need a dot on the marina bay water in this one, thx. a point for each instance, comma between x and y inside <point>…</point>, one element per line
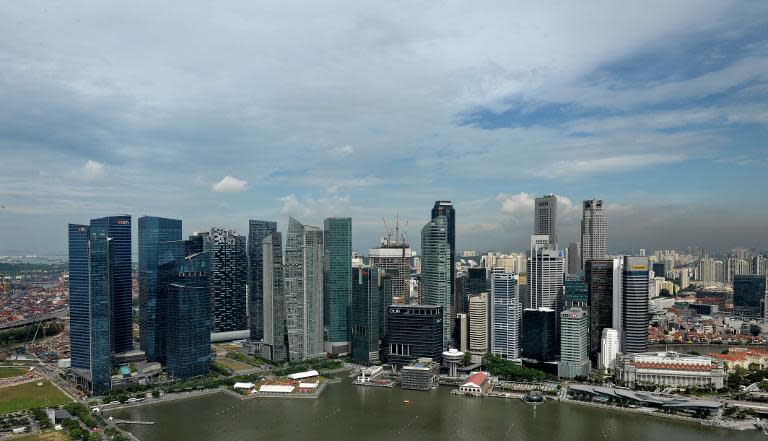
<point>346,412</point>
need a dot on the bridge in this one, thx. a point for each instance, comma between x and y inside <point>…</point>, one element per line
<point>59,313</point>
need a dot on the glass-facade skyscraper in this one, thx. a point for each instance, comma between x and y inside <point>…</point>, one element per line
<point>445,209</point>
<point>749,295</point>
<point>118,230</point>
<point>365,320</point>
<point>436,271</point>
<point>79,297</point>
<point>506,316</point>
<point>337,279</point>
<point>635,305</point>
<point>161,251</point>
<point>275,339</point>
<point>188,325</point>
<point>258,230</point>
<point>228,279</point>
<point>304,290</point>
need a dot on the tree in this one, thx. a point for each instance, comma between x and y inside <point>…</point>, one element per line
<point>665,293</point>
<point>754,329</point>
<point>467,359</point>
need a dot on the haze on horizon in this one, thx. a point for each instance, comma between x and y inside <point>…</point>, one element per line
<point>215,114</point>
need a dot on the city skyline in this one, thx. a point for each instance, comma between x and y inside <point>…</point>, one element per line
<point>643,113</point>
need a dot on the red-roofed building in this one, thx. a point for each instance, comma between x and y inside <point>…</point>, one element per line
<point>671,369</point>
<point>478,384</point>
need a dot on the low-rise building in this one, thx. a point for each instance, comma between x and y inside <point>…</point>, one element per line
<point>478,384</point>
<point>670,369</point>
<point>420,375</point>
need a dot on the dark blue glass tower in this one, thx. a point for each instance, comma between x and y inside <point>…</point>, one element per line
<point>258,230</point>
<point>101,312</point>
<point>118,230</point>
<point>188,327</point>
<point>79,332</point>
<point>161,251</point>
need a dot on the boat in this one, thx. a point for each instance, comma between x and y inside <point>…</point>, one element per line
<point>533,397</point>
<point>407,402</point>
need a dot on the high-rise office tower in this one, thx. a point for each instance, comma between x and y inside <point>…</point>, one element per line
<point>604,281</point>
<point>365,317</point>
<point>161,252</point>
<point>275,331</point>
<point>634,320</point>
<point>609,347</point>
<point>188,324</point>
<point>479,323</point>
<point>506,316</point>
<point>100,298</point>
<point>593,231</point>
<point>750,296</point>
<point>574,344</point>
<point>79,297</point>
<point>395,258</point>
<point>545,209</point>
<point>304,290</point>
<point>415,331</point>
<point>538,329</point>
<point>445,208</point>
<point>436,271</point>
<point>337,278</point>
<point>545,275</point>
<point>574,258</point>
<point>117,229</point>
<point>575,291</point>
<point>258,230</point>
<point>228,279</point>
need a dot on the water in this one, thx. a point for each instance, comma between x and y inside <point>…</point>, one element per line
<point>351,413</point>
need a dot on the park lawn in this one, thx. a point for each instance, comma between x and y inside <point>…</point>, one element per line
<point>7,372</point>
<point>30,395</point>
<point>46,436</point>
<point>233,364</point>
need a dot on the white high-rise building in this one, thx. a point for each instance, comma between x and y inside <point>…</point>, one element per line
<point>478,323</point>
<point>593,231</point>
<point>506,316</point>
<point>609,348</point>
<point>545,269</point>
<point>545,214</point>
<point>574,344</point>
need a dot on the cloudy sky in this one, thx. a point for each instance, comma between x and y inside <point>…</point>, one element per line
<point>218,112</point>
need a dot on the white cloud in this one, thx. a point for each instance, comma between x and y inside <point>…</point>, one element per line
<point>92,170</point>
<point>606,165</point>
<point>343,150</point>
<point>229,184</point>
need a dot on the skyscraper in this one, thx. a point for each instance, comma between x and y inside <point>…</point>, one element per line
<point>337,278</point>
<point>100,302</point>
<point>79,297</point>
<point>750,295</point>
<point>445,208</point>
<point>258,230</point>
<point>188,324</point>
<point>117,229</point>
<point>576,292</point>
<point>604,280</point>
<point>304,290</point>
<point>538,340</point>
<point>479,320</point>
<point>395,258</point>
<point>574,258</point>
<point>161,252</point>
<point>574,344</point>
<point>415,331</point>
<point>435,270</point>
<point>545,275</point>
<point>275,330</point>
<point>228,279</point>
<point>365,317</point>
<point>593,231</point>
<point>545,221</point>
<point>609,347</point>
<point>635,305</point>
<point>506,316</point>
